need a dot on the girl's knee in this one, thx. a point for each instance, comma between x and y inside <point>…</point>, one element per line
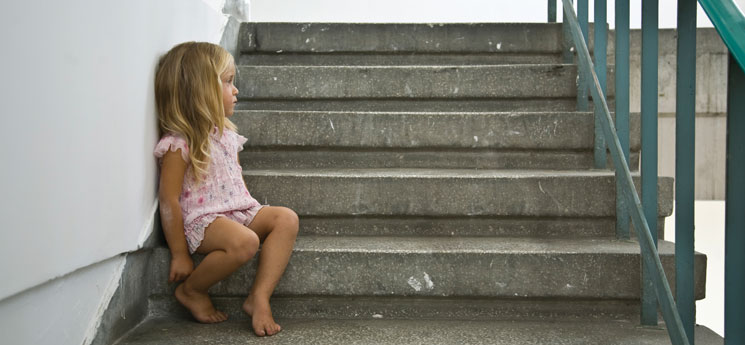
<point>288,220</point>
<point>244,247</point>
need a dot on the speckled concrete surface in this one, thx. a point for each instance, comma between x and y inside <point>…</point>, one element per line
<point>424,332</point>
<point>321,82</point>
<point>510,140</point>
<point>508,38</point>
<point>386,59</point>
<point>453,104</point>
<point>451,130</point>
<point>418,308</point>
<point>536,227</point>
<point>339,158</point>
<point>440,192</point>
<point>485,267</point>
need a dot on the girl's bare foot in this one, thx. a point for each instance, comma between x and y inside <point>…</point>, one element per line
<point>261,315</point>
<point>200,305</point>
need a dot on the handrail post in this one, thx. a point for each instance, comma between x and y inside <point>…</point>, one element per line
<point>650,256</point>
<point>622,110</point>
<point>582,85</point>
<point>685,135</point>
<point>567,54</point>
<point>552,11</point>
<point>649,146</point>
<point>601,66</point>
<point>734,237</point>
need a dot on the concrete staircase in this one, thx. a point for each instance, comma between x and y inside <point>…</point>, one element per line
<point>443,179</point>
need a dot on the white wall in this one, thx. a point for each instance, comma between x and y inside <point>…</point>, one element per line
<point>63,311</point>
<point>709,240</point>
<point>78,175</point>
<point>440,11</point>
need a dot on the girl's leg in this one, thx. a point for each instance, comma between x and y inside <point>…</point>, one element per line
<point>228,245</point>
<point>277,227</point>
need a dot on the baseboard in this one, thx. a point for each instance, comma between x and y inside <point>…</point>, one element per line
<point>129,305</point>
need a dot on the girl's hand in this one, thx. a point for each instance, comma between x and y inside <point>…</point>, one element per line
<point>181,268</point>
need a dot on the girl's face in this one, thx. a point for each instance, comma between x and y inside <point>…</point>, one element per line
<point>229,91</point>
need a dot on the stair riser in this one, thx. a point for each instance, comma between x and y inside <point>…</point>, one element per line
<point>406,59</point>
<point>488,195</point>
<point>464,226</point>
<point>549,131</point>
<point>408,82</point>
<point>337,159</point>
<point>401,38</point>
<point>412,105</point>
<point>441,274</point>
<point>417,308</point>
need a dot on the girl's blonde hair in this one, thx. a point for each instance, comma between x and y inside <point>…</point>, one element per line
<point>188,95</point>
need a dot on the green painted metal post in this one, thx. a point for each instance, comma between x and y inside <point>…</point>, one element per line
<point>622,110</point>
<point>567,54</point>
<point>601,65</point>
<point>582,86</point>
<point>734,236</point>
<point>650,256</point>
<point>552,11</point>
<point>649,146</point>
<point>685,144</point>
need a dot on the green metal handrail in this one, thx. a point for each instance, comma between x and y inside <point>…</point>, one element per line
<point>729,21</point>
<point>650,256</point>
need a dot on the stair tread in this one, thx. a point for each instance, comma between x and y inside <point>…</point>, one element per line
<point>485,245</point>
<point>173,330</point>
<point>464,245</point>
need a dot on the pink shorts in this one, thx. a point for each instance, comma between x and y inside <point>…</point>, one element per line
<point>194,231</point>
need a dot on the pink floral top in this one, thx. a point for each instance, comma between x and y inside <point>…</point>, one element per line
<point>221,192</point>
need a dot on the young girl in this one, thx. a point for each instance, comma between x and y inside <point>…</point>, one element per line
<point>204,204</point>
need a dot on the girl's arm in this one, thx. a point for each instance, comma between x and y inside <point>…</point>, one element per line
<point>172,173</point>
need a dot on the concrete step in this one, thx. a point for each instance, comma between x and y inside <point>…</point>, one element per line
<point>452,267</point>
<point>480,140</point>
<point>400,44</point>
<point>174,330</point>
<point>418,202</point>
<point>444,193</point>
<point>408,82</point>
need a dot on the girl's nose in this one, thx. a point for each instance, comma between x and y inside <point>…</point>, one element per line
<point>235,90</point>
